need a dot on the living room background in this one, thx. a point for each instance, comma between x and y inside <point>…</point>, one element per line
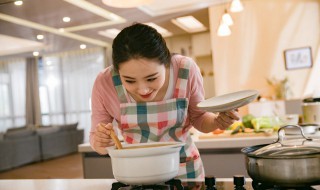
<point>65,84</point>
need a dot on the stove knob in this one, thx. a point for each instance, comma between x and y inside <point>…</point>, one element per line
<point>210,182</point>
<point>239,180</point>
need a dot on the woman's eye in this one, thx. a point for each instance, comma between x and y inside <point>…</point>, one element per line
<point>152,79</point>
<point>129,81</point>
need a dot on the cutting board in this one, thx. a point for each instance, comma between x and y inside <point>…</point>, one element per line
<point>228,135</point>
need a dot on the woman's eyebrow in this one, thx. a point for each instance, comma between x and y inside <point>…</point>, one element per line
<point>124,76</point>
<point>127,77</point>
<point>151,75</point>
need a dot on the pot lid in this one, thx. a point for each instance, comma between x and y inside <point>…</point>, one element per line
<point>288,148</point>
<point>311,100</point>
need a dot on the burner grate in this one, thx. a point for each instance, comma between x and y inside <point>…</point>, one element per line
<point>173,184</point>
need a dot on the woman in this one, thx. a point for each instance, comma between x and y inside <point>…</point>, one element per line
<point>153,97</point>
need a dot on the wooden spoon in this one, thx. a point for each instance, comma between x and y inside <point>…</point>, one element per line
<point>115,139</point>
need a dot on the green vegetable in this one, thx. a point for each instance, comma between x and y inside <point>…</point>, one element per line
<point>262,123</point>
<point>246,120</point>
<point>238,129</point>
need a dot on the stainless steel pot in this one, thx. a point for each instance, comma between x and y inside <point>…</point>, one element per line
<point>311,110</point>
<point>287,163</point>
<point>145,165</point>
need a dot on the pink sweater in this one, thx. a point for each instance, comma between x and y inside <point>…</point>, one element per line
<point>106,106</point>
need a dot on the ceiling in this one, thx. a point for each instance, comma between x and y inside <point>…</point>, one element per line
<point>88,17</point>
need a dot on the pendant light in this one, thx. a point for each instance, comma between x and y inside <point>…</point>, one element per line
<point>126,3</point>
<point>226,18</point>
<point>236,6</point>
<point>223,29</point>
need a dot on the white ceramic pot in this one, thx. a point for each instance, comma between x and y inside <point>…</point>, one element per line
<point>147,165</point>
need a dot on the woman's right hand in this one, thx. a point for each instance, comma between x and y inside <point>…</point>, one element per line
<point>102,138</point>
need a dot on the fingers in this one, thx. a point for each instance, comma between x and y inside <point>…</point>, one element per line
<point>105,128</point>
<point>102,137</point>
<point>225,119</point>
<point>233,114</point>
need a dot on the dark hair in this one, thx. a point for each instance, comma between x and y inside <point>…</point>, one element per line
<point>139,41</point>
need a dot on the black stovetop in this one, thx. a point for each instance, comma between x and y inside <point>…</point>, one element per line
<point>211,183</point>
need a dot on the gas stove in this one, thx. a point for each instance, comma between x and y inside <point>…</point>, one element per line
<point>238,182</point>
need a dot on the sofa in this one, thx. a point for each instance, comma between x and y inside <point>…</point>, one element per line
<point>59,140</point>
<point>24,145</point>
<point>19,147</point>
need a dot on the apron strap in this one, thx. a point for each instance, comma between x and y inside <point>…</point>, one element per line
<point>182,81</point>
<point>122,93</point>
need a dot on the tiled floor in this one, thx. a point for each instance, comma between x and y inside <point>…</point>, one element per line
<point>67,167</point>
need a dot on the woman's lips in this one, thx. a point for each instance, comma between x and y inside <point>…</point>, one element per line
<point>146,95</point>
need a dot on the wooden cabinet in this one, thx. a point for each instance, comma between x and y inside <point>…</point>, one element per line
<point>198,47</point>
<point>180,45</point>
<point>201,44</point>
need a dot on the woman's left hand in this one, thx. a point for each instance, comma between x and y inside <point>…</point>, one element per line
<point>225,119</point>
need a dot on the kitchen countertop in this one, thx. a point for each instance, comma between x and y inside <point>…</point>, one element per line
<point>66,184</point>
<point>56,184</point>
<point>223,143</point>
<point>94,184</point>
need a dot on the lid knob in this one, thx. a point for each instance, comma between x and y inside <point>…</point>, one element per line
<point>239,180</point>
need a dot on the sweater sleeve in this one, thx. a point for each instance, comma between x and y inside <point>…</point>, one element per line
<point>102,101</point>
<point>196,95</point>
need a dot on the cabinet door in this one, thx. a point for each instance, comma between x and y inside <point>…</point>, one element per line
<point>96,166</point>
<point>201,44</point>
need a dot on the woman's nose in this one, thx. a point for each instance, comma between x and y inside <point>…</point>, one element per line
<point>143,90</point>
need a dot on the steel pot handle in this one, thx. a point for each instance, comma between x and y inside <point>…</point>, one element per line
<point>281,133</point>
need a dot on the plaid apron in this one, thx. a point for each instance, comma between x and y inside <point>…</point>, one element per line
<point>162,121</point>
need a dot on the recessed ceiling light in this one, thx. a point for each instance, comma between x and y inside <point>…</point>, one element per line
<point>189,24</point>
<point>164,32</point>
<point>66,19</point>
<point>126,3</point>
<point>83,46</point>
<point>110,33</point>
<point>35,53</point>
<point>40,37</point>
<point>18,3</point>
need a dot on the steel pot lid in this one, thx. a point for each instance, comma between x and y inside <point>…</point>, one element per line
<point>311,100</point>
<point>293,148</point>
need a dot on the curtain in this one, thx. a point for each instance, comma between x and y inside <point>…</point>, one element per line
<point>66,84</point>
<point>313,86</point>
<point>50,90</point>
<point>107,56</point>
<point>33,113</point>
<point>12,93</point>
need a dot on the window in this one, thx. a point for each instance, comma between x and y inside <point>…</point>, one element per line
<point>12,93</point>
<point>66,83</point>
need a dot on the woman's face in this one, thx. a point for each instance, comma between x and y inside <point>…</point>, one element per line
<point>142,78</point>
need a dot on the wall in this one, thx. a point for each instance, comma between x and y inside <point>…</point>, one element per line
<point>260,34</point>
